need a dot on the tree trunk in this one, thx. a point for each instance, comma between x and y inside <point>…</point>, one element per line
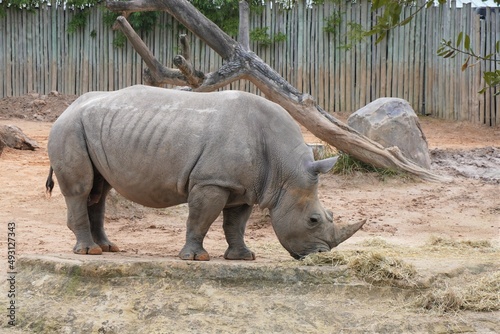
<point>240,63</point>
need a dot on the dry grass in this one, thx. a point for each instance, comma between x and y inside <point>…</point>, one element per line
<point>377,268</point>
<point>380,265</point>
<point>331,258</point>
<point>372,267</point>
<point>480,294</point>
<point>438,242</point>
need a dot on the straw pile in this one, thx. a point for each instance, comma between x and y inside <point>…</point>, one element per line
<point>372,267</point>
<point>480,294</point>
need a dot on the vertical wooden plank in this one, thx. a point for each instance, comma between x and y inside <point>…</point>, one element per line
<point>484,101</point>
<point>52,61</point>
<point>407,41</point>
<point>3,56</point>
<point>300,47</point>
<point>20,56</point>
<point>465,111</point>
<point>418,52</point>
<point>496,111</point>
<point>429,72</point>
<point>487,66</point>
<point>364,57</point>
<point>348,69</point>
<point>111,62</point>
<point>384,57</point>
<point>356,75</point>
<point>319,58</point>
<point>330,78</point>
<point>29,43</point>
<point>396,62</point>
<point>10,19</point>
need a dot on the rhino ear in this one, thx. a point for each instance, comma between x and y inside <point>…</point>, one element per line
<point>322,166</point>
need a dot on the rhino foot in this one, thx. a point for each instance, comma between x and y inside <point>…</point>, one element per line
<point>87,250</point>
<point>109,247</point>
<point>239,254</point>
<point>197,254</point>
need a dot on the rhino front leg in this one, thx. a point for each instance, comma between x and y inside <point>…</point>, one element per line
<point>205,204</point>
<point>96,216</point>
<point>78,222</point>
<point>235,220</point>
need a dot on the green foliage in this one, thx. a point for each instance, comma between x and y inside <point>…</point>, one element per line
<point>109,17</point>
<point>78,21</point>
<point>224,13</point>
<point>462,46</point>
<point>143,21</point>
<point>261,36</point>
<point>333,22</point>
<point>119,40</point>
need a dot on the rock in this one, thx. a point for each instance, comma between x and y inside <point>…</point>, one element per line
<point>392,122</point>
<point>14,137</point>
<point>39,103</point>
<point>54,93</point>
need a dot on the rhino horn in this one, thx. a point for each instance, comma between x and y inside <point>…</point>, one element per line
<point>342,232</point>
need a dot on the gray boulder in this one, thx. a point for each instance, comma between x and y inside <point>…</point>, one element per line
<point>392,122</point>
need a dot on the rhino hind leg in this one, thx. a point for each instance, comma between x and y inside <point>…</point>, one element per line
<point>78,222</point>
<point>235,220</point>
<point>96,209</point>
<point>205,204</point>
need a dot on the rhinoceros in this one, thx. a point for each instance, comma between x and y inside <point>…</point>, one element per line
<point>224,151</point>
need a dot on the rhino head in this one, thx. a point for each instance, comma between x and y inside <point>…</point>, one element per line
<point>299,220</point>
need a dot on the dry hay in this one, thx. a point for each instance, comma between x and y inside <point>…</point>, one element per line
<point>381,266</point>
<point>480,294</point>
<point>440,243</point>
<point>372,267</point>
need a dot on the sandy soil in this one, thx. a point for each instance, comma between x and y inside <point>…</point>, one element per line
<point>400,210</point>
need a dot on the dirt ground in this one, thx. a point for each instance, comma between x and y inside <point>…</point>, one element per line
<point>402,211</point>
<point>399,210</point>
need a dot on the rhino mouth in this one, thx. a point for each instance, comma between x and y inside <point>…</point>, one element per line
<point>300,256</point>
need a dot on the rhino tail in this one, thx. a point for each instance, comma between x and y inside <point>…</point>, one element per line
<point>49,184</point>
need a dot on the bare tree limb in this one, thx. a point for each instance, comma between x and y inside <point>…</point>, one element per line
<point>186,48</point>
<point>158,73</point>
<point>243,33</point>
<point>193,78</point>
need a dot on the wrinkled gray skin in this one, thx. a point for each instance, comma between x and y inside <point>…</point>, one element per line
<point>215,151</point>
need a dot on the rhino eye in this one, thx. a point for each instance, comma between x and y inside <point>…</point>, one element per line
<point>314,220</point>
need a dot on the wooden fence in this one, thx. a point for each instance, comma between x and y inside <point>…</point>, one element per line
<point>38,54</point>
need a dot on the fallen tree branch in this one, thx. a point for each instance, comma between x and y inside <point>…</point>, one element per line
<point>241,63</point>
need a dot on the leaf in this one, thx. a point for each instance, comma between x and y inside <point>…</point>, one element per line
<point>380,38</point>
<point>497,47</point>
<point>467,42</point>
<point>465,64</point>
<point>406,21</point>
<point>459,38</point>
<point>449,54</point>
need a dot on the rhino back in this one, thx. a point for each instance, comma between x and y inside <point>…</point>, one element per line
<point>154,145</point>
